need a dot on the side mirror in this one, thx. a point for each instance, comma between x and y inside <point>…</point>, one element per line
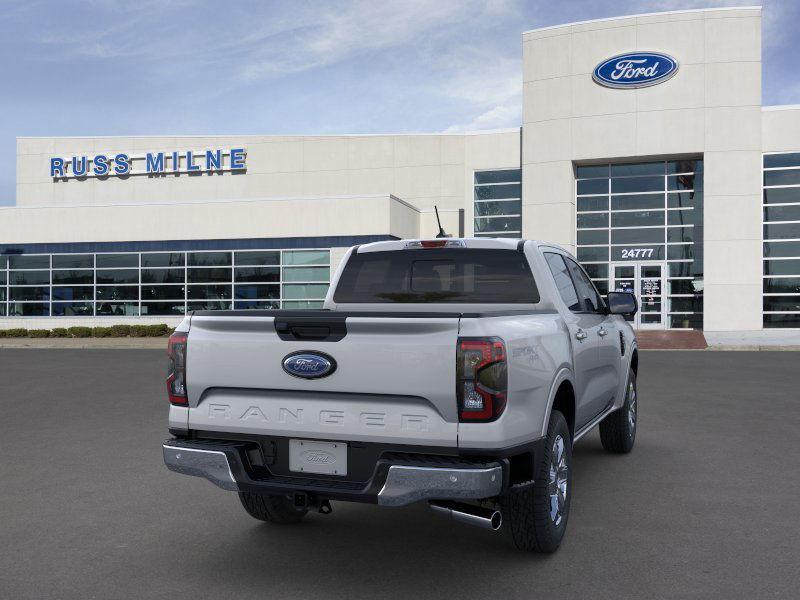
<point>622,303</point>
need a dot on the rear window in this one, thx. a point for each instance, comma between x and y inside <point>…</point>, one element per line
<point>438,275</point>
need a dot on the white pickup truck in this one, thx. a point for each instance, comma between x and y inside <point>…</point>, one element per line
<point>454,371</point>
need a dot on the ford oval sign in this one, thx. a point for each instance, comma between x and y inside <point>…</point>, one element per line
<point>635,70</point>
<point>309,364</point>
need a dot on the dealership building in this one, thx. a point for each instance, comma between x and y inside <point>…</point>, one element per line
<point>644,149</point>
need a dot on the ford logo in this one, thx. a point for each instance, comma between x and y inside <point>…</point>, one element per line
<point>308,364</point>
<point>319,457</point>
<point>635,70</point>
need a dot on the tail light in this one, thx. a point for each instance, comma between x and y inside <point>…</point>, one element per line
<point>482,375</point>
<point>176,373</point>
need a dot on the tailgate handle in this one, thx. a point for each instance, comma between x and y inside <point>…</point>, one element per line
<point>311,331</point>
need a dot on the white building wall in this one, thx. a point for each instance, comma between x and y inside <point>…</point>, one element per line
<point>711,107</point>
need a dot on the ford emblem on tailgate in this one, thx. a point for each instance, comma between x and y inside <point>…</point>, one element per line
<point>635,70</point>
<point>308,364</point>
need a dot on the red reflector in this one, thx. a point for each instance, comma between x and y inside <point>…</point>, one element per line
<point>433,243</point>
<point>176,371</point>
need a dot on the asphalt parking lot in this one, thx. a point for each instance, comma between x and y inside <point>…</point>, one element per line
<point>706,506</point>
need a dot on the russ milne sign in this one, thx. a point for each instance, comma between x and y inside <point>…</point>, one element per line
<point>151,163</point>
<point>635,70</point>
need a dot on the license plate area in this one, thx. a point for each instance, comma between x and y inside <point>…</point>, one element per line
<point>323,458</point>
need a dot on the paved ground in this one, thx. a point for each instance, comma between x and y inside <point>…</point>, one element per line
<point>706,506</point>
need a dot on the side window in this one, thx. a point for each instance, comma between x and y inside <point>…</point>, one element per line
<point>589,298</point>
<point>563,281</point>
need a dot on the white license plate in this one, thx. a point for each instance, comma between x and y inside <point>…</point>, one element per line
<point>326,458</point>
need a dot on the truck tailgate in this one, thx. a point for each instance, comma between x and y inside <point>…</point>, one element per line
<point>394,380</point>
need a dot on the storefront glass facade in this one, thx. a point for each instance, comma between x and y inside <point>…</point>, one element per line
<point>781,302</point>
<point>498,203</point>
<point>649,216</point>
<point>129,284</point>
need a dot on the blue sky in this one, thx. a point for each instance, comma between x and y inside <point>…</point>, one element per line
<point>151,67</point>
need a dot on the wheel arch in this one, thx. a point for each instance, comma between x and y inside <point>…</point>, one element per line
<point>562,398</point>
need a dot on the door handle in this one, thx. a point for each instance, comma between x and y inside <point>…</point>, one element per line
<point>581,335</point>
<point>602,332</point>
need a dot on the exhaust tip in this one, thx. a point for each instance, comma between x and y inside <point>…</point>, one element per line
<point>485,518</point>
<point>496,520</point>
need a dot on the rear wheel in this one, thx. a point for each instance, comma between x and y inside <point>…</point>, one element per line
<point>618,430</point>
<point>536,515</point>
<point>275,509</point>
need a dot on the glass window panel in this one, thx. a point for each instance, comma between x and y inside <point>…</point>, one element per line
<point>637,236</point>
<point>637,201</point>
<point>680,269</point>
<point>303,305</point>
<point>589,299</point>
<point>637,219</point>
<point>2,294</point>
<point>209,292</point>
<point>782,195</point>
<point>788,177</point>
<point>3,262</point>
<point>162,292</point>
<point>782,285</point>
<point>163,275</point>
<point>782,231</point>
<point>684,182</point>
<point>683,217</point>
<point>209,275</point>
<point>29,277</point>
<point>593,220</point>
<point>776,321</point>
<point>306,257</point>
<point>789,159</point>
<point>73,277</point>
<point>684,166</point>
<point>117,309</point>
<point>782,303</point>
<point>113,261</point>
<point>601,285</point>
<point>680,234</point>
<point>257,258</point>
<point>210,305</point>
<point>164,259</point>
<point>593,236</point>
<point>782,267</point>
<point>514,235</point>
<point>73,261</point>
<point>597,271</point>
<point>84,292</point>
<point>2,277</point>
<point>781,249</point>
<point>256,305</point>
<point>684,199</point>
<point>2,309</point>
<point>498,176</point>
<point>679,252</point>
<point>596,254</point>
<point>686,321</point>
<point>29,293</point>
<point>253,292</point>
<point>498,192</point>
<point>782,213</point>
<point>592,186</point>
<point>28,309</point>
<point>505,207</point>
<point>587,171</point>
<point>648,168</point>
<point>117,292</point>
<point>118,276</point>
<point>307,274</point>
<point>685,286</point>
<point>209,259</point>
<point>29,262</point>
<point>638,252</point>
<point>501,224</point>
<point>303,291</point>
<point>694,304</point>
<point>595,203</point>
<point>162,308</point>
<point>636,184</point>
<point>73,309</point>
<point>257,274</point>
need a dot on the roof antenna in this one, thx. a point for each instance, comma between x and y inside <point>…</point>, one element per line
<point>441,233</point>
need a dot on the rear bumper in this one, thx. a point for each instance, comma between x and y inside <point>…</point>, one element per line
<point>395,481</point>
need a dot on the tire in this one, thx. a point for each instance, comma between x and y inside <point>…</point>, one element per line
<point>275,509</point>
<point>536,515</point>
<point>618,430</point>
